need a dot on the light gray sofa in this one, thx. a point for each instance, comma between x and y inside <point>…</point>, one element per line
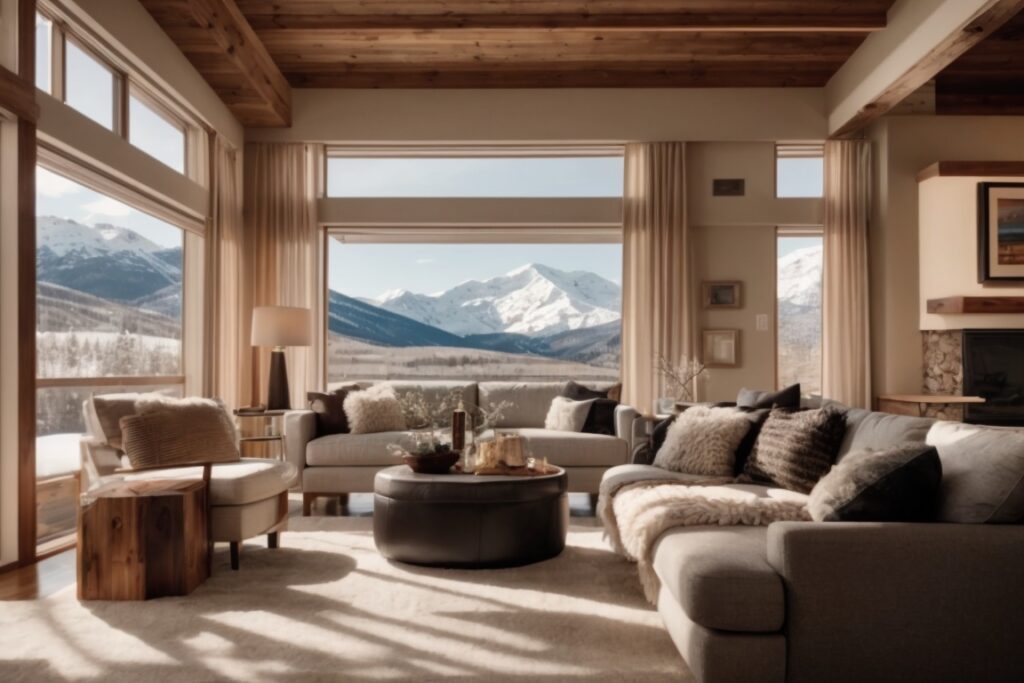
<point>339,464</point>
<point>808,602</point>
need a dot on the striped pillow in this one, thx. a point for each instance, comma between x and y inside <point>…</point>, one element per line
<point>175,433</point>
<point>796,448</point>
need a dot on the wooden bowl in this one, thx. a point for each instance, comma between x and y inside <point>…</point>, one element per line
<point>432,463</point>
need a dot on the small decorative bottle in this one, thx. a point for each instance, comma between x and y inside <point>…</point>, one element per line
<point>459,428</point>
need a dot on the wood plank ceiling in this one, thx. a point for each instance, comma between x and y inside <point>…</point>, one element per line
<point>513,43</point>
<point>988,78</point>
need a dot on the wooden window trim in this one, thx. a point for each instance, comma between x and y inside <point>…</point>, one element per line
<point>119,381</point>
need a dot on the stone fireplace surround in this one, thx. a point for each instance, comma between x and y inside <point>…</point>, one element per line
<point>943,370</point>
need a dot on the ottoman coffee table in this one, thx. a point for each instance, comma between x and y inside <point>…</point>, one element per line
<point>469,521</point>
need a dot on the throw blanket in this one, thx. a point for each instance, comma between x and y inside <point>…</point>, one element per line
<point>635,515</point>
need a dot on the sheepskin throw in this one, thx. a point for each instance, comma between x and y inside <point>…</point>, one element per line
<point>901,484</point>
<point>374,410</point>
<point>703,440</point>
<point>567,415</point>
<point>639,513</point>
<point>796,449</point>
<point>167,432</point>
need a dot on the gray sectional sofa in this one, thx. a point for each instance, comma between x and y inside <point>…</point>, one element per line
<point>808,602</point>
<point>338,464</point>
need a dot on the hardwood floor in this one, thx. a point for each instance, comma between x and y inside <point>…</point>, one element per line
<point>55,573</point>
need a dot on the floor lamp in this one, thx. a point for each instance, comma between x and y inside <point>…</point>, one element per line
<point>280,327</point>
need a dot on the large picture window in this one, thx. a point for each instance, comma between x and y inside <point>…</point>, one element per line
<point>798,308</point>
<point>109,318</point>
<point>481,311</point>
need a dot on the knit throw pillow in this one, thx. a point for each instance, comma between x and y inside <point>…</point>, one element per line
<point>374,410</point>
<point>900,484</point>
<point>796,449</point>
<point>168,432</point>
<point>703,441</point>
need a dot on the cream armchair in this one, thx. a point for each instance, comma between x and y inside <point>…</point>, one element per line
<point>248,497</point>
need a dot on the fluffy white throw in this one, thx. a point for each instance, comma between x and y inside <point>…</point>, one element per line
<point>637,514</point>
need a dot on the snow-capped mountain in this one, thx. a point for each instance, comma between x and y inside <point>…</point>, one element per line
<point>799,279</point>
<point>106,260</point>
<point>533,300</point>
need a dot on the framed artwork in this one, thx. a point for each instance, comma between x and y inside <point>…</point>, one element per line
<point>722,294</point>
<point>1000,232</point>
<point>721,348</point>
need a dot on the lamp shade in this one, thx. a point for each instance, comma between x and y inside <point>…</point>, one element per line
<point>281,326</point>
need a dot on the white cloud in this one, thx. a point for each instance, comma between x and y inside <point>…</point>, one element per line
<point>105,206</point>
<point>424,261</point>
<point>52,185</point>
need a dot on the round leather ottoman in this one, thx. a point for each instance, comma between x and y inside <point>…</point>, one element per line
<point>462,520</point>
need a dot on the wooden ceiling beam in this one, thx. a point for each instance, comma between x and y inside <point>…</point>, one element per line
<point>921,40</point>
<point>218,27</point>
<point>818,16</point>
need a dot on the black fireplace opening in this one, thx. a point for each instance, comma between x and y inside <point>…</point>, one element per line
<point>994,369</point>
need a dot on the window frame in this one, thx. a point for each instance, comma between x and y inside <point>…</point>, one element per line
<point>797,150</point>
<point>792,231</point>
<point>127,83</point>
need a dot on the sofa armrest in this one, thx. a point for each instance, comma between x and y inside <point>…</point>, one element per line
<point>299,430</point>
<point>629,426</point>
<point>874,601</point>
<point>98,460</point>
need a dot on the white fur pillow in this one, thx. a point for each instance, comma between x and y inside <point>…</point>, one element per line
<point>567,415</point>
<point>374,410</point>
<point>703,441</point>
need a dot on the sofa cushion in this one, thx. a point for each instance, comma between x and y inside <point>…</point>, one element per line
<point>244,481</point>
<point>572,449</point>
<point>442,396</point>
<point>529,401</point>
<point>703,440</point>
<point>982,473</point>
<point>901,484</point>
<point>871,431</point>
<point>721,577</point>
<point>783,398</point>
<point>357,450</point>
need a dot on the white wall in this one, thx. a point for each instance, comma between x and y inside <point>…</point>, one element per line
<point>903,146</point>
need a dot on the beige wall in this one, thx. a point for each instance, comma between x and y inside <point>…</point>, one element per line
<point>948,248</point>
<point>903,145</point>
<point>567,115</point>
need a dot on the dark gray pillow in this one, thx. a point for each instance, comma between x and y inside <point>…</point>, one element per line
<point>329,409</point>
<point>601,418</point>
<point>796,448</point>
<point>783,398</point>
<point>901,484</point>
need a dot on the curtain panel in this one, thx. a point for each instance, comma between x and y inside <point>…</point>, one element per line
<point>282,252</point>
<point>658,305</point>
<point>227,358</point>
<point>846,340</point>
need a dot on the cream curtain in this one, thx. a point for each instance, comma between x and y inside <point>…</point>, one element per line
<point>658,316</point>
<point>846,341</point>
<point>226,361</point>
<point>282,251</point>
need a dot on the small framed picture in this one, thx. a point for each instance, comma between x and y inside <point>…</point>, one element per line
<point>1000,232</point>
<point>722,294</point>
<point>721,348</point>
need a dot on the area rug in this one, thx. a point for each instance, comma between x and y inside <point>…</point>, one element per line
<point>326,606</point>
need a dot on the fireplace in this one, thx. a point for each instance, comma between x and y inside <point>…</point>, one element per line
<point>993,363</point>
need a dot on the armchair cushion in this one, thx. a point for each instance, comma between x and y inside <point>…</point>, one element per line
<point>245,481</point>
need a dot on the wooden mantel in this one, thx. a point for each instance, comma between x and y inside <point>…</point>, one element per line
<point>972,169</point>
<point>976,304</point>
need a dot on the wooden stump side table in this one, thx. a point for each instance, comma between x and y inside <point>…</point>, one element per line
<point>142,539</point>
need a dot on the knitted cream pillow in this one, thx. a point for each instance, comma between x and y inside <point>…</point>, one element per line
<point>567,415</point>
<point>374,410</point>
<point>703,441</point>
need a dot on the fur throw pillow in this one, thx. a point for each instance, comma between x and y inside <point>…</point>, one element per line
<point>703,441</point>
<point>796,449</point>
<point>901,484</point>
<point>567,415</point>
<point>374,410</point>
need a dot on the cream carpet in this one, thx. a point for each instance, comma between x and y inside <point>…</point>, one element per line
<point>326,606</point>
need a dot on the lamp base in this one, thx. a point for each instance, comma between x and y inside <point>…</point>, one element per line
<point>278,396</point>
